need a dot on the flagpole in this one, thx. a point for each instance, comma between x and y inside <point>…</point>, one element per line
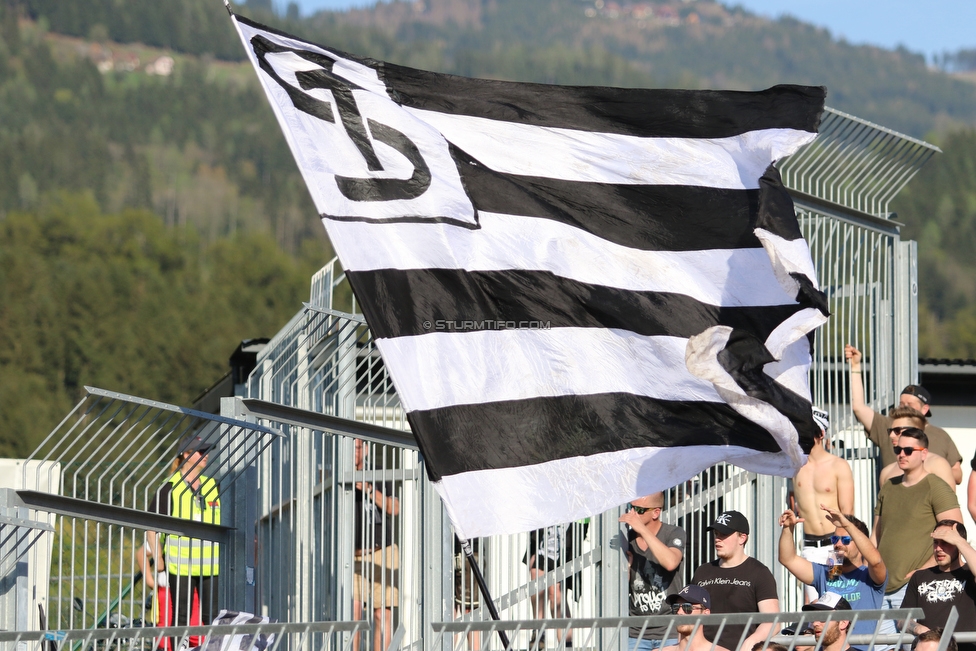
<point>483,586</point>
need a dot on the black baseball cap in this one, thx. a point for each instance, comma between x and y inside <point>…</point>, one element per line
<point>693,594</point>
<point>194,443</point>
<point>730,522</point>
<point>919,392</point>
<point>829,601</point>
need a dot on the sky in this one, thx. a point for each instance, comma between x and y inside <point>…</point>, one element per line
<point>927,26</point>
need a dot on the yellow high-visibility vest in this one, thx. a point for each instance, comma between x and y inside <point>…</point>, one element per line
<point>189,556</point>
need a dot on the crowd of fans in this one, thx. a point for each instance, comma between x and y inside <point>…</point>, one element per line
<point>914,554</point>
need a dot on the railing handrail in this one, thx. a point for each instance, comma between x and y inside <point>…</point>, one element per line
<point>271,628</point>
<point>661,620</point>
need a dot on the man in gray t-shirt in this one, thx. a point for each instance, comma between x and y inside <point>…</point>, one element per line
<point>655,552</point>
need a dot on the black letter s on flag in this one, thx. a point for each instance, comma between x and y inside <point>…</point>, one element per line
<point>354,189</point>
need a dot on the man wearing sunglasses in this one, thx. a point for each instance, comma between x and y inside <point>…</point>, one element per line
<point>876,425</point>
<point>862,576</point>
<point>908,508</point>
<point>950,583</point>
<point>692,600</point>
<point>832,635</point>
<point>654,553</point>
<point>901,419</point>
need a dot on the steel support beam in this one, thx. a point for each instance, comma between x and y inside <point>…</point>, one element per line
<point>121,516</point>
<point>322,422</point>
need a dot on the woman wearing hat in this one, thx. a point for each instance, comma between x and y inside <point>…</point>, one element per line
<point>188,567</point>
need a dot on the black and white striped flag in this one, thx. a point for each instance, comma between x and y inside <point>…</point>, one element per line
<point>582,295</point>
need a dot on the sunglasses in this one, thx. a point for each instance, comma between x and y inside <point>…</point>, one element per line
<point>844,540</point>
<point>907,450</point>
<point>641,510</point>
<point>686,608</point>
<point>898,430</point>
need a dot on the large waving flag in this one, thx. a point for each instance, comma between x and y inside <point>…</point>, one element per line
<point>582,295</point>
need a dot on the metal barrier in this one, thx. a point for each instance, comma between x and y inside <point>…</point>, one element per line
<point>345,437</point>
<point>610,632</point>
<point>311,636</point>
<point>108,458</point>
<point>533,634</point>
<point>854,164</point>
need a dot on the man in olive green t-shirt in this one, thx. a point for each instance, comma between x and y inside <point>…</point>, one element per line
<point>907,510</point>
<point>877,425</point>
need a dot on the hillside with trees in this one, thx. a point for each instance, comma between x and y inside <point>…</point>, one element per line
<point>148,224</point>
<point>151,215</point>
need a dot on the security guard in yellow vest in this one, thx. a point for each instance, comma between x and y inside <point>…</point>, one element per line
<point>189,567</point>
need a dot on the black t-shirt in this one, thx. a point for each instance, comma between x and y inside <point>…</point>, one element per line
<point>736,589</point>
<point>650,583</point>
<point>371,522</point>
<point>936,592</point>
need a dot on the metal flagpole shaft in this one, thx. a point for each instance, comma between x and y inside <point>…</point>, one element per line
<point>473,564</point>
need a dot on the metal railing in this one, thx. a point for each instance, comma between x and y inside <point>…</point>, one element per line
<point>310,636</point>
<point>532,634</point>
<point>855,164</point>
<point>612,632</point>
<point>108,458</point>
<point>321,530</point>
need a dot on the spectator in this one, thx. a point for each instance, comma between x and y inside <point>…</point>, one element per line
<point>901,419</point>
<point>467,593</point>
<point>832,635</point>
<point>654,554</point>
<point>548,549</point>
<point>876,425</point>
<point>377,559</point>
<point>692,600</point>
<point>188,567</point>
<point>861,576</point>
<point>950,583</point>
<point>823,479</point>
<point>736,582</point>
<point>909,506</point>
<point>930,640</point>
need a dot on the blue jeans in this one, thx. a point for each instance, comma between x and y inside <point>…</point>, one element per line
<point>893,601</point>
<point>643,644</point>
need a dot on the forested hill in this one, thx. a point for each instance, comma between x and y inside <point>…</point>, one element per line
<point>661,43</point>
<point>151,215</point>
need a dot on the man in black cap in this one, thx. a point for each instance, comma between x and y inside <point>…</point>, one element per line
<point>736,582</point>
<point>832,635</point>
<point>877,425</point>
<point>692,600</point>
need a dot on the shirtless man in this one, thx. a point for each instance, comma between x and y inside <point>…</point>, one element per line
<point>901,419</point>
<point>825,479</point>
